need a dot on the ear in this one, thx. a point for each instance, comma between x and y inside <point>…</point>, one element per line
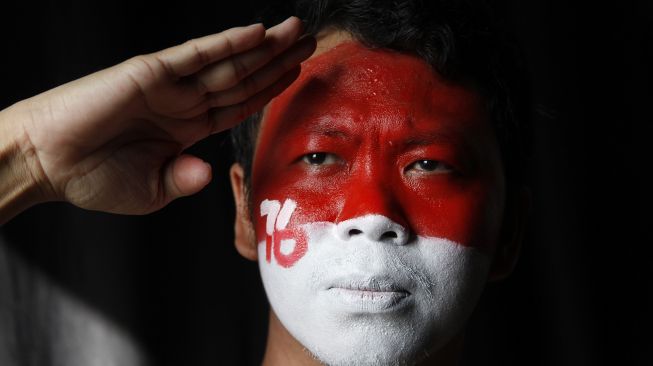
<point>244,236</point>
<point>512,235</point>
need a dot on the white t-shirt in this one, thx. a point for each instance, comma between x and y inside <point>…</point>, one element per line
<point>42,324</point>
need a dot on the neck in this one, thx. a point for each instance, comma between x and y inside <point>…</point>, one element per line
<point>283,349</point>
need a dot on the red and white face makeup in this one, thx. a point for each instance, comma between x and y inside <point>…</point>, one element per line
<point>379,192</point>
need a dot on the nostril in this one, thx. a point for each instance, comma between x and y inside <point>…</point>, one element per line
<point>372,228</point>
<point>353,232</point>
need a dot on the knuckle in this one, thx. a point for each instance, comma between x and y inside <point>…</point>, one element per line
<point>239,69</point>
<point>193,53</point>
<point>249,87</point>
<point>224,38</point>
<point>201,54</point>
<point>164,65</point>
<point>141,67</point>
<point>214,122</point>
<point>228,74</point>
<point>215,100</point>
<point>201,86</point>
<point>137,62</point>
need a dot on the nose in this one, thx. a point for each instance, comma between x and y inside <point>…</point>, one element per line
<point>377,228</point>
<point>371,207</point>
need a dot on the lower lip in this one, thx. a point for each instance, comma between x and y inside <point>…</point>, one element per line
<point>368,301</point>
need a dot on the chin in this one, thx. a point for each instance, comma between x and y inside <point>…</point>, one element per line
<point>374,346</point>
<point>367,303</point>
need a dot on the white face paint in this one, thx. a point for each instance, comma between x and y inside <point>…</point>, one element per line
<point>360,295</point>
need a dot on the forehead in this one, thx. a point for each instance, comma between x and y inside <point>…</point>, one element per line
<point>380,111</point>
<point>355,86</point>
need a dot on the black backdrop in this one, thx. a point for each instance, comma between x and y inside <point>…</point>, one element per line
<point>579,295</point>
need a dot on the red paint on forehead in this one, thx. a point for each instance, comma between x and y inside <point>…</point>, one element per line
<point>379,111</point>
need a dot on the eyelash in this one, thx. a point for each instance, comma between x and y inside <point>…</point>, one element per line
<point>426,166</point>
<point>319,158</point>
<point>423,166</point>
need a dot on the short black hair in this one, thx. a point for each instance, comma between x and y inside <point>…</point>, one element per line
<point>462,40</point>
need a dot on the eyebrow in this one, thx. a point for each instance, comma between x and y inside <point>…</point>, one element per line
<point>325,126</point>
<point>321,129</point>
<point>429,139</point>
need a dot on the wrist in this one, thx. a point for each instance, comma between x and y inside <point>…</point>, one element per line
<point>21,179</point>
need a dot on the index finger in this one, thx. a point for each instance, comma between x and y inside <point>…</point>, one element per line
<point>193,55</point>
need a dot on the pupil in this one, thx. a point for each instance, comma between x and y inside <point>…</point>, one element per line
<point>316,158</point>
<point>428,164</point>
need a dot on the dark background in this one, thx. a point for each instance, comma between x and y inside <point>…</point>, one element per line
<point>579,295</point>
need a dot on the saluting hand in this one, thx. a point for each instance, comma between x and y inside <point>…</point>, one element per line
<point>111,141</point>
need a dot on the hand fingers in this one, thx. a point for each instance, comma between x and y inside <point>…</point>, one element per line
<point>225,118</point>
<point>184,176</point>
<point>266,76</point>
<point>195,54</point>
<point>228,72</point>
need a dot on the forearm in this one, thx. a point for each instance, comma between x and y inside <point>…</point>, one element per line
<point>19,188</point>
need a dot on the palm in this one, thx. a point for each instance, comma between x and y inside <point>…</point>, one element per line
<point>111,141</point>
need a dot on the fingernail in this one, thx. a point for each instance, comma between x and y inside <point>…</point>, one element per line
<point>288,19</point>
<point>208,173</point>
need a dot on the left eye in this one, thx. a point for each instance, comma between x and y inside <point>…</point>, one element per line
<point>429,166</point>
<point>319,158</point>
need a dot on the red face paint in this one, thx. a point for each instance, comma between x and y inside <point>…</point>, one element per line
<point>377,114</point>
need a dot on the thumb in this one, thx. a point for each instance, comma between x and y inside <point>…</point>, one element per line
<point>185,175</point>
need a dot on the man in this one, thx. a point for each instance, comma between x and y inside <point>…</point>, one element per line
<point>379,192</point>
<point>373,192</point>
<point>112,141</point>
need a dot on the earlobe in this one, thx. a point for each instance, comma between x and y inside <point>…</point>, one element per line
<point>244,237</point>
<point>513,232</point>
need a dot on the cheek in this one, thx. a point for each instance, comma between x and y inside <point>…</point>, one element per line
<point>310,207</point>
<point>317,199</point>
<point>282,210</point>
<point>470,217</point>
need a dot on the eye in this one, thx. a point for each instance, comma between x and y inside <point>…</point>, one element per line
<point>319,158</point>
<point>429,166</point>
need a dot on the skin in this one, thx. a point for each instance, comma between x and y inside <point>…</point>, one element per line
<point>372,147</point>
<point>374,167</point>
<point>112,141</point>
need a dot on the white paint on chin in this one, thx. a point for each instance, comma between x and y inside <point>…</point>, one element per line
<point>364,302</point>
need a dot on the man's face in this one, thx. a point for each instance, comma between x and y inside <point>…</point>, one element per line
<point>378,195</point>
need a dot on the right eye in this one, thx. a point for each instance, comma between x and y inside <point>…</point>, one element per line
<point>319,158</point>
<point>429,166</point>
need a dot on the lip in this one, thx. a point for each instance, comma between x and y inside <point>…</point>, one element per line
<point>367,294</point>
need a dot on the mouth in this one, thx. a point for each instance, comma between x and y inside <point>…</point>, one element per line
<point>367,295</point>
